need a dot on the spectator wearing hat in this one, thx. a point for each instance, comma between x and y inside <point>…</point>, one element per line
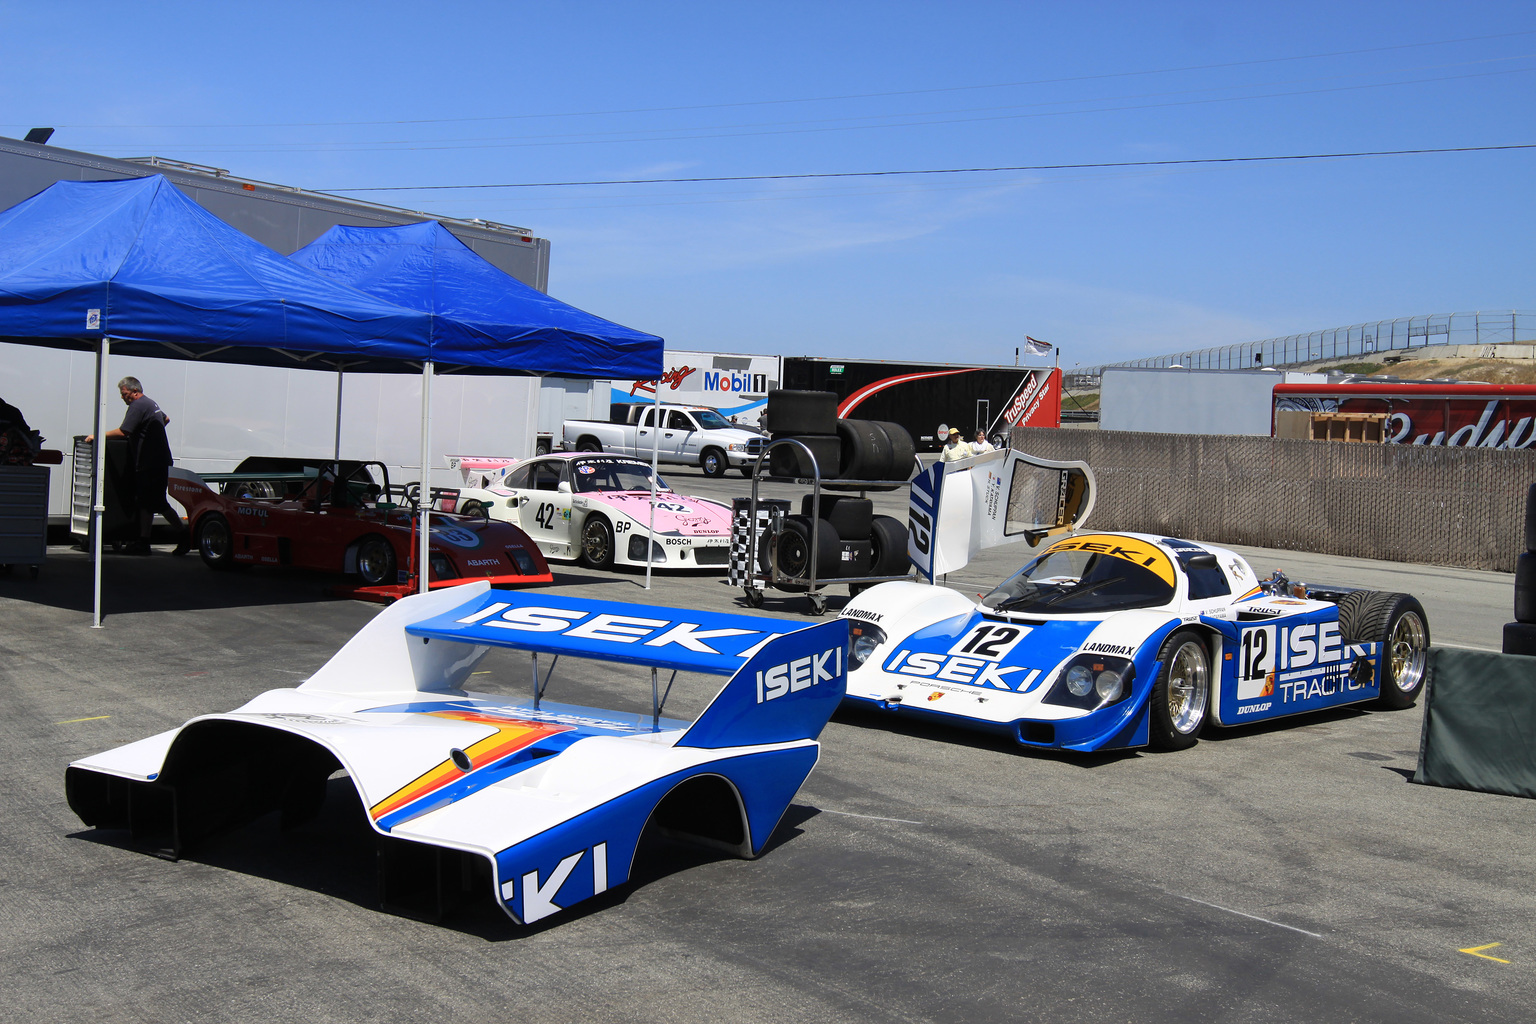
<point>955,448</point>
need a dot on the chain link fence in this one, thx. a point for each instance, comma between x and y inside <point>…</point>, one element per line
<point>1404,503</point>
<point>1364,340</point>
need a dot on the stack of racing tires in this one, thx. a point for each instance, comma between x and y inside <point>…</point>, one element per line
<point>850,541</point>
<point>1520,635</point>
<point>845,450</point>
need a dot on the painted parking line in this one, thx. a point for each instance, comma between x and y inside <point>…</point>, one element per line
<point>868,817</point>
<point>1251,917</point>
<point>72,721</point>
<point>1477,952</point>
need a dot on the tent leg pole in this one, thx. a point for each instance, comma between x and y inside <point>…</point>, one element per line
<point>337,453</point>
<point>650,542</point>
<point>423,564</point>
<point>99,485</point>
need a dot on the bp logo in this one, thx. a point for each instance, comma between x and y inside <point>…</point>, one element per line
<point>456,535</point>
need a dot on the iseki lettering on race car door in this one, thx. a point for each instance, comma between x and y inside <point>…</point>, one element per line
<point>1267,650</point>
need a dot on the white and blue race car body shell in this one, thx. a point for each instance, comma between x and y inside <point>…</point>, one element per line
<point>553,797</point>
<point>947,658</point>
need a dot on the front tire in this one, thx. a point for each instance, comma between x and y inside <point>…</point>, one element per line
<point>1182,694</point>
<point>597,543</point>
<point>216,542</point>
<point>714,462</point>
<point>376,561</point>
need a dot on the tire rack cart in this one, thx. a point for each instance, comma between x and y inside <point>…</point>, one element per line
<point>758,578</point>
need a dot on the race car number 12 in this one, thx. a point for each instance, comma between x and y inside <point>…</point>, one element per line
<point>1258,652</point>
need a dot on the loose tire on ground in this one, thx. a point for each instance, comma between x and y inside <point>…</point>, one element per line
<point>1398,623</point>
<point>1525,587</point>
<point>376,560</point>
<point>713,462</point>
<point>597,543</point>
<point>888,540</point>
<point>215,542</point>
<point>1530,518</point>
<point>1181,697</point>
<point>801,412</point>
<point>1519,638</point>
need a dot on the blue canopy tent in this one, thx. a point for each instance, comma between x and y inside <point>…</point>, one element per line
<point>483,319</point>
<point>136,265</point>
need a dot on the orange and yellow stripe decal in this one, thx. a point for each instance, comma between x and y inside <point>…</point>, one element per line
<point>510,736</point>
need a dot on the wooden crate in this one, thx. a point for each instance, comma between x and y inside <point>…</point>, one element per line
<point>1348,426</point>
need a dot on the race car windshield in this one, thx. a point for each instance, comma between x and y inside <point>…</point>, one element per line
<point>614,476</point>
<point>711,420</point>
<point>1076,581</point>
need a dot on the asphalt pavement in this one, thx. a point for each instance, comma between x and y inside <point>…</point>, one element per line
<point>1281,872</point>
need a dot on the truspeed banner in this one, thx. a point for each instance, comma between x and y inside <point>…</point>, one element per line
<point>1453,416</point>
<point>737,385</point>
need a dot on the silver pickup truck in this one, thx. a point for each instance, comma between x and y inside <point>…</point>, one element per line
<point>691,435</point>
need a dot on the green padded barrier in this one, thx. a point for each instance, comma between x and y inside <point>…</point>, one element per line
<point>1479,722</point>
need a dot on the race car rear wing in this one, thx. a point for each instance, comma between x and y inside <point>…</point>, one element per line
<point>958,508</point>
<point>785,679</point>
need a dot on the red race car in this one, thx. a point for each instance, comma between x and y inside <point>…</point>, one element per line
<point>342,516</point>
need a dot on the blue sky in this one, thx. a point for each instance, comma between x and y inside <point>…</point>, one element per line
<point>1106,263</point>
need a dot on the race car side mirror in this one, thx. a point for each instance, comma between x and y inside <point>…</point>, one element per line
<point>563,488</point>
<point>1204,560</point>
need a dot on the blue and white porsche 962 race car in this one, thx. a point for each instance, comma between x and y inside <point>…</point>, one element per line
<point>542,804</point>
<point>1112,640</point>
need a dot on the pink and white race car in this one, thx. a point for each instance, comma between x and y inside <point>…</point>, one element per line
<point>594,508</point>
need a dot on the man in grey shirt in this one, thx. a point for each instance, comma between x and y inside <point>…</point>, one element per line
<point>150,456</point>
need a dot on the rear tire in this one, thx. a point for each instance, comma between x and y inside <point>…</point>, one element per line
<point>597,543</point>
<point>376,561</point>
<point>1181,696</point>
<point>475,509</point>
<point>589,444</point>
<point>216,542</point>
<point>1398,623</point>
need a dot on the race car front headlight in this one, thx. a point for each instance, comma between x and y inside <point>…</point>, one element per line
<point>524,561</point>
<point>442,569</point>
<point>1092,681</point>
<point>864,638</point>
